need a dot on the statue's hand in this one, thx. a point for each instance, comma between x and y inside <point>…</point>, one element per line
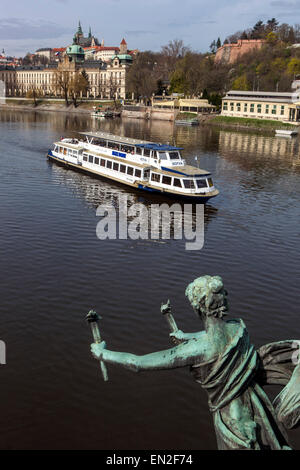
<point>97,349</point>
<point>177,337</point>
<point>165,308</point>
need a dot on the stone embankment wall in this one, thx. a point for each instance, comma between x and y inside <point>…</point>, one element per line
<point>147,112</point>
<point>229,53</point>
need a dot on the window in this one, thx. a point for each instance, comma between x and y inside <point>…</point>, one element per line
<point>91,159</point>
<point>96,161</point>
<point>116,166</point>
<point>274,109</point>
<point>174,155</point>
<point>210,182</point>
<point>252,108</point>
<point>166,180</point>
<point>155,177</point>
<point>245,107</point>
<point>177,182</point>
<point>259,108</point>
<point>138,150</point>
<point>147,152</point>
<point>238,107</point>
<point>267,109</point>
<point>201,183</point>
<point>189,184</point>
<point>162,155</point>
<point>108,164</point>
<point>102,162</point>
<point>225,106</point>
<point>85,157</point>
<point>111,145</point>
<point>138,173</point>
<point>282,110</point>
<point>130,170</point>
<point>123,168</point>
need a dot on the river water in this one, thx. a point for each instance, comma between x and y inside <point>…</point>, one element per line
<point>54,269</point>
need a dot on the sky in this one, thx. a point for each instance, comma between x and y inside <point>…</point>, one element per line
<point>145,24</point>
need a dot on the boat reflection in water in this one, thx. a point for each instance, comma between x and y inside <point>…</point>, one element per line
<point>175,217</point>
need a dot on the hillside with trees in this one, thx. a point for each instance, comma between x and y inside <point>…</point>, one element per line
<point>178,69</point>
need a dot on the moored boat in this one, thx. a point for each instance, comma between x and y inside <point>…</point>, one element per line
<point>286,132</point>
<point>137,163</point>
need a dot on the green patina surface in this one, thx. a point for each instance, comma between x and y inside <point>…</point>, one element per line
<point>231,370</point>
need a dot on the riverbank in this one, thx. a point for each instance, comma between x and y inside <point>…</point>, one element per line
<point>140,112</point>
<point>249,123</point>
<point>83,107</point>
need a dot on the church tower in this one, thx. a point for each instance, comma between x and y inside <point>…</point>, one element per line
<point>123,47</point>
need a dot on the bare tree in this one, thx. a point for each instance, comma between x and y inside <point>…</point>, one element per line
<point>62,81</point>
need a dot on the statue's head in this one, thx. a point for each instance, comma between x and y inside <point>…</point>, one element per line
<point>208,296</point>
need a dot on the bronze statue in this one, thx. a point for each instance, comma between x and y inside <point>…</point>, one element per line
<point>225,363</point>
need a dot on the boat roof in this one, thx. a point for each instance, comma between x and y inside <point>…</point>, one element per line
<point>185,170</point>
<point>131,141</point>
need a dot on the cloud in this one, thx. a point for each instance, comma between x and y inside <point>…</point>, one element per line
<point>22,28</point>
<point>282,3</point>
<point>139,32</point>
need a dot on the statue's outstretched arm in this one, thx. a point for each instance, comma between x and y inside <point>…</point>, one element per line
<point>182,355</point>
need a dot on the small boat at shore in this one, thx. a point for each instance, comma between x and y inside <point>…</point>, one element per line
<point>144,165</point>
<point>286,132</point>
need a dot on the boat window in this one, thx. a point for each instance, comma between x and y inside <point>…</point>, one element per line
<point>166,180</point>
<point>210,182</point>
<point>137,173</point>
<point>74,153</point>
<point>138,150</point>
<point>96,161</point>
<point>85,157</point>
<point>127,148</point>
<point>162,155</point>
<point>201,183</point>
<point>129,170</point>
<point>155,177</point>
<point>111,145</point>
<point>116,166</point>
<point>65,151</point>
<point>102,162</point>
<point>174,155</point>
<point>70,153</point>
<point>146,152</point>
<point>123,168</point>
<point>108,164</point>
<point>189,184</point>
<point>91,158</point>
<point>177,182</point>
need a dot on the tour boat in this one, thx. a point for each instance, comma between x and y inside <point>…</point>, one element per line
<point>149,166</point>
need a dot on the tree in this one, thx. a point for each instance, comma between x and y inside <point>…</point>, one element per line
<point>62,81</point>
<point>142,75</point>
<point>258,30</point>
<point>218,43</point>
<point>33,93</point>
<point>112,86</point>
<point>213,47</point>
<point>78,85</point>
<point>294,66</point>
<point>271,25</point>
<point>241,83</point>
